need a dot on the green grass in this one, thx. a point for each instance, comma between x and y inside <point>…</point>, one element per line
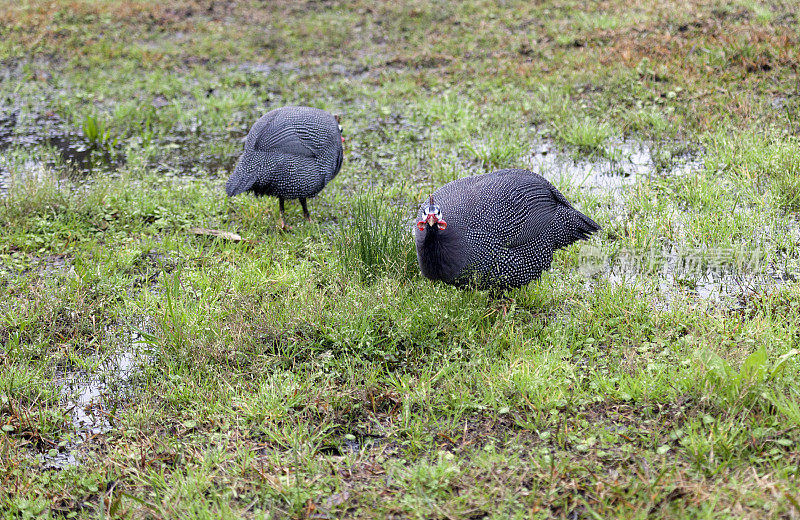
<point>377,241</point>
<point>315,373</point>
<point>586,135</point>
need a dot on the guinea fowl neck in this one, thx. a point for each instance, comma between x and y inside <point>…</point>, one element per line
<point>441,254</point>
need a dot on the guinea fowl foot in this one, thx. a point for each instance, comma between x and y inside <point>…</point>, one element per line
<point>504,303</point>
<point>283,226</point>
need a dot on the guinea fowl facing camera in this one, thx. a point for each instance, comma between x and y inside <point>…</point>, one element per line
<point>497,230</point>
<point>290,153</point>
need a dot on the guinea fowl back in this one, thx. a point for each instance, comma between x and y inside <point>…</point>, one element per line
<point>290,152</point>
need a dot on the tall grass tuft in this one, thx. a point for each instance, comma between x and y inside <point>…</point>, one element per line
<point>33,193</point>
<point>97,133</point>
<point>378,241</point>
<point>499,151</point>
<point>585,134</point>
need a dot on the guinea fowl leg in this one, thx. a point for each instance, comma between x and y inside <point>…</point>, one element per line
<point>282,224</point>
<point>305,210</point>
<point>501,300</point>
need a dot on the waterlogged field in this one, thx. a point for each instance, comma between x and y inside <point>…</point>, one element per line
<point>148,371</point>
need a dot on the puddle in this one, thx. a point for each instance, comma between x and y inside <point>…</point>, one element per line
<point>73,151</point>
<point>55,263</point>
<point>20,170</point>
<point>8,121</point>
<point>55,145</point>
<point>48,144</point>
<point>621,165</point>
<point>724,283</point>
<point>266,69</point>
<point>716,276</point>
<point>91,399</point>
<point>351,443</point>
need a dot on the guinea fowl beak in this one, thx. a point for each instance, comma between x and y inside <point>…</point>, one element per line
<point>432,220</point>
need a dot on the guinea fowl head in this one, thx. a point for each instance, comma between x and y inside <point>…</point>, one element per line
<point>433,217</point>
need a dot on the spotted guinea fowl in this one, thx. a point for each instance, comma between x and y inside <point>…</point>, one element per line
<point>497,230</point>
<point>290,153</point>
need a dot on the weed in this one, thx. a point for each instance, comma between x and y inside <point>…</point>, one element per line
<point>498,152</point>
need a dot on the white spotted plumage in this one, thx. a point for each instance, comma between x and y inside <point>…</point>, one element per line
<point>502,229</point>
<point>290,153</point>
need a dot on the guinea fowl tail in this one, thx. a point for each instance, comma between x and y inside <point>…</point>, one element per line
<point>243,176</point>
<point>577,226</point>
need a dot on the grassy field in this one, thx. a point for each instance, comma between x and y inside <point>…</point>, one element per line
<point>150,372</point>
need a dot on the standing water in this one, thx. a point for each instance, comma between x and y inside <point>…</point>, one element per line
<point>91,399</point>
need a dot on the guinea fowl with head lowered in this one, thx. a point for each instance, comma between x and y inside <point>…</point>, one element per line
<point>290,153</point>
<point>497,230</point>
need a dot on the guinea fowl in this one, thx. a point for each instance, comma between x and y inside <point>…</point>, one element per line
<point>497,230</point>
<point>290,153</point>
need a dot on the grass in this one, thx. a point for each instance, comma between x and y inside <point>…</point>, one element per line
<point>378,241</point>
<point>585,135</point>
<point>315,374</point>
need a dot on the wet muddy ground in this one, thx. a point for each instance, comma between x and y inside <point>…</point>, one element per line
<point>722,276</point>
<point>42,140</point>
<point>91,397</point>
<point>618,165</point>
<point>42,144</point>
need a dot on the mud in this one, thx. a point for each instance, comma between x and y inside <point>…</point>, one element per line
<point>189,151</point>
<point>49,143</point>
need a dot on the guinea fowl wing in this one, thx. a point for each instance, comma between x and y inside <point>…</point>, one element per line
<point>548,213</point>
<point>533,207</point>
